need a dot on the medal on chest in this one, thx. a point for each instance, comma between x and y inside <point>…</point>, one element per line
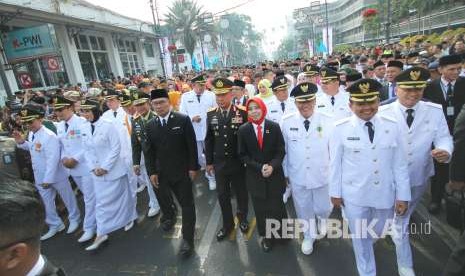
<point>37,147</point>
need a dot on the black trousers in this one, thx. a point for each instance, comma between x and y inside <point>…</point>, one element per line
<point>439,181</point>
<point>456,264</point>
<point>224,181</point>
<point>182,190</point>
<point>270,207</point>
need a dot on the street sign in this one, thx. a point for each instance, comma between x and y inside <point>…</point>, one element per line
<point>25,80</point>
<point>53,65</point>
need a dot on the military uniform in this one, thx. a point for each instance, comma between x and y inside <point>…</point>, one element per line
<point>424,126</point>
<point>369,172</point>
<point>221,152</point>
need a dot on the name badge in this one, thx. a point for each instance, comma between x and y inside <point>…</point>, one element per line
<point>176,128</point>
<point>353,138</point>
<point>322,105</point>
<point>450,111</point>
<point>190,101</point>
<point>294,129</point>
<point>274,111</point>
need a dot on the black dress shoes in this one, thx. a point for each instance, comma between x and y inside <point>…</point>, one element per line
<point>222,234</point>
<point>168,224</point>
<point>266,245</point>
<point>187,248</point>
<point>244,226</point>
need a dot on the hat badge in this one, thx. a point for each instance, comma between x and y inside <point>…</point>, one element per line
<point>304,88</point>
<point>282,80</point>
<point>415,75</point>
<point>136,96</point>
<point>219,84</point>
<point>323,74</point>
<point>24,112</point>
<point>83,101</point>
<point>364,87</point>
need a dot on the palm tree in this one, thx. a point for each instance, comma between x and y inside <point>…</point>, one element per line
<point>188,22</point>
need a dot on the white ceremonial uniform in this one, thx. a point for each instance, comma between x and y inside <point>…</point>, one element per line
<point>339,110</point>
<point>191,106</point>
<point>44,148</point>
<point>114,201</point>
<point>306,165</point>
<point>369,177</point>
<point>429,127</point>
<point>73,147</point>
<point>275,110</point>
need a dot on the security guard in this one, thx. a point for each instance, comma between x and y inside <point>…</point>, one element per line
<point>421,125</point>
<point>282,104</point>
<point>139,146</point>
<point>195,104</point>
<point>221,156</point>
<point>49,174</point>
<point>332,100</point>
<point>71,130</point>
<point>306,135</point>
<point>369,172</point>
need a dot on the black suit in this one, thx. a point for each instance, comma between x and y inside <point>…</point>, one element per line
<point>456,263</point>
<point>221,151</point>
<point>171,154</point>
<point>266,192</point>
<point>435,94</point>
<point>384,92</point>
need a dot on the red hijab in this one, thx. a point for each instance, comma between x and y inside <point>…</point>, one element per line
<point>261,105</point>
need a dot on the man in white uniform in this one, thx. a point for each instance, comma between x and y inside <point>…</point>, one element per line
<point>70,131</point>
<point>310,73</point>
<point>50,176</point>
<point>196,104</point>
<point>282,104</point>
<point>332,100</point>
<point>368,171</point>
<point>421,124</point>
<point>306,135</point>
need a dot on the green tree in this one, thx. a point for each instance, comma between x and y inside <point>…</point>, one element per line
<point>285,49</point>
<point>189,23</point>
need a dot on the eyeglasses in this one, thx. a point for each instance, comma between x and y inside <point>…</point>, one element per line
<point>6,246</point>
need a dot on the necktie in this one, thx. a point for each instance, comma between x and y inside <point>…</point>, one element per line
<point>66,127</point>
<point>163,122</point>
<point>238,101</point>
<point>409,116</point>
<point>260,136</point>
<point>332,100</point>
<point>198,97</point>
<point>92,128</point>
<point>306,124</point>
<point>115,113</point>
<point>283,106</point>
<point>450,92</point>
<point>393,90</point>
<point>371,131</point>
<point>33,136</point>
<point>225,114</point>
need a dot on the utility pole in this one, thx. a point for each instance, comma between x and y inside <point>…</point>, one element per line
<point>388,22</point>
<point>327,26</point>
<point>156,23</point>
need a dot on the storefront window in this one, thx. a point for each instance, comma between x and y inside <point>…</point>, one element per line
<point>128,55</point>
<point>87,66</point>
<point>94,60</point>
<point>36,73</point>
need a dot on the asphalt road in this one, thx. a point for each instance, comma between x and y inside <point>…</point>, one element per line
<point>148,250</point>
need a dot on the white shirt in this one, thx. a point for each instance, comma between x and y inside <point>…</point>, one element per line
<point>165,118</point>
<point>255,126</point>
<point>445,86</point>
<point>38,267</point>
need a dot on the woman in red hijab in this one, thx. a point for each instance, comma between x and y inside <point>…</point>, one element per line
<point>261,149</point>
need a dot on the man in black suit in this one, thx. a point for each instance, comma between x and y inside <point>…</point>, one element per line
<point>239,93</point>
<point>448,91</point>
<point>22,219</point>
<point>172,162</point>
<point>456,264</point>
<point>393,69</point>
<point>261,149</point>
<point>222,158</point>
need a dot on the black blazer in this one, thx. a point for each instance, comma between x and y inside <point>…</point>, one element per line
<point>384,92</point>
<point>457,163</point>
<point>434,93</point>
<point>253,158</point>
<point>172,150</point>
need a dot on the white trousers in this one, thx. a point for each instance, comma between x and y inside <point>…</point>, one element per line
<point>203,161</point>
<point>87,188</point>
<point>361,241</point>
<point>401,229</point>
<point>145,180</point>
<point>63,188</point>
<point>311,204</point>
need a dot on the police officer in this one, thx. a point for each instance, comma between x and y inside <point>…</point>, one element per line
<point>195,104</point>
<point>139,145</point>
<point>421,124</point>
<point>221,156</point>
<point>282,104</point>
<point>70,131</point>
<point>306,135</point>
<point>369,173</point>
<point>332,100</point>
<point>49,174</point>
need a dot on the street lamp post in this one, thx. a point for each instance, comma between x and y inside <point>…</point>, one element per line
<point>156,24</point>
<point>388,22</point>
<point>327,26</point>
